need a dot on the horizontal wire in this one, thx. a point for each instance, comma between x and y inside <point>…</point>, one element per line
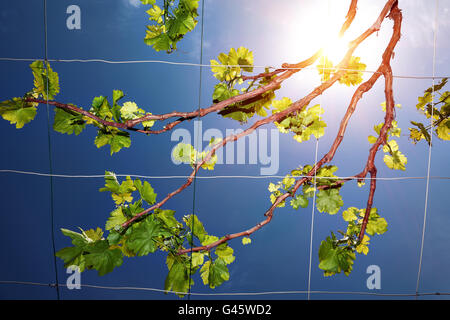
<point>209,65</point>
<point>209,177</point>
<point>6,282</point>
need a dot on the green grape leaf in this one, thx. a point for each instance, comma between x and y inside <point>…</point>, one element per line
<point>146,191</point>
<point>115,138</point>
<point>71,256</point>
<point>197,259</point>
<point>142,240</point>
<point>390,146</point>
<point>420,133</point>
<point>328,256</point>
<point>443,130</point>
<point>363,247</point>
<point>325,68</point>
<point>214,273</point>
<point>167,218</point>
<point>299,201</point>
<point>17,112</point>
<point>208,239</point>
<point>68,122</point>
<point>133,208</point>
<point>196,227</point>
<point>46,81</point>
<point>117,95</point>
<point>160,42</point>
<point>116,219</point>
<point>246,240</point>
<point>273,187</point>
<point>415,135</point>
<point>225,252</point>
<point>376,224</point>
<point>94,235</point>
<point>184,153</point>
<point>191,5</point>
<point>230,65</point>
<point>383,106</point>
<point>222,92</point>
<point>111,183</point>
<point>148,1</point>
<point>303,124</point>
<point>130,110</point>
<point>395,161</point>
<point>438,86</point>
<point>100,108</point>
<point>114,237</point>
<point>350,214</point>
<point>119,192</point>
<point>177,279</point>
<point>156,14</point>
<point>182,23</point>
<point>102,258</point>
<point>353,77</point>
<point>210,163</point>
<point>329,201</point>
<point>170,24</point>
<point>78,239</point>
<point>334,259</point>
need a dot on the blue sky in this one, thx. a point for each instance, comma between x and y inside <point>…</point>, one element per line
<point>278,258</point>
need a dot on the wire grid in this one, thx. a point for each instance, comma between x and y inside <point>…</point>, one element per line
<point>308,292</point>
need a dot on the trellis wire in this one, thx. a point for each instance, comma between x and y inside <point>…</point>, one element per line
<point>102,176</point>
<point>259,293</point>
<point>191,64</point>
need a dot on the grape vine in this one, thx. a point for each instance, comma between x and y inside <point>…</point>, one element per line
<point>140,223</point>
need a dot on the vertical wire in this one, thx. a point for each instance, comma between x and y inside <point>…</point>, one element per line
<point>52,220</point>
<point>197,145</point>
<point>314,194</point>
<point>312,223</point>
<point>429,149</point>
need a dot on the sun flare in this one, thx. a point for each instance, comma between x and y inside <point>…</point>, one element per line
<point>320,29</point>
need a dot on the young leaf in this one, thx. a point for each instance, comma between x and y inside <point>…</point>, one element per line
<point>299,201</point>
<point>329,201</point>
<point>115,138</point>
<point>46,81</point>
<point>68,122</point>
<point>142,240</point>
<point>102,258</point>
<point>396,161</point>
<point>363,246</point>
<point>225,252</point>
<point>177,279</point>
<point>350,214</point>
<point>17,112</point>
<point>214,273</point>
<point>196,227</point>
<point>146,191</point>
<point>116,219</point>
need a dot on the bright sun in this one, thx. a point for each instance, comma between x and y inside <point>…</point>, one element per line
<point>320,29</point>
<point>335,49</point>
